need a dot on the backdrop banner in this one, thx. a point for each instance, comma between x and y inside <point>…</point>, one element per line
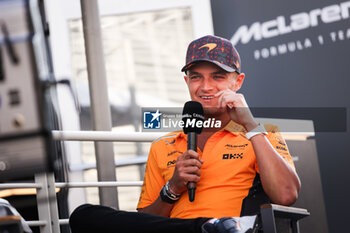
<point>297,54</point>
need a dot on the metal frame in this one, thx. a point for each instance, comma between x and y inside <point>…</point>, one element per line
<point>45,185</point>
<point>46,198</point>
<point>99,98</point>
<point>47,203</point>
<point>269,212</point>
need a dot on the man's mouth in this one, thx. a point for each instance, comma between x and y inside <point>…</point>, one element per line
<point>207,97</point>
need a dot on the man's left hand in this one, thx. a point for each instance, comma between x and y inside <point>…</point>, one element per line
<point>237,108</point>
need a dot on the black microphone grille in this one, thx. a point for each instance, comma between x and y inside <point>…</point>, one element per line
<point>193,117</point>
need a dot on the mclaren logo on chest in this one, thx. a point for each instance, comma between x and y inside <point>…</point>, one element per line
<point>171,163</point>
<point>233,156</point>
<point>174,152</point>
<point>233,147</point>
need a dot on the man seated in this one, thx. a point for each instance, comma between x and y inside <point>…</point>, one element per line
<point>237,167</point>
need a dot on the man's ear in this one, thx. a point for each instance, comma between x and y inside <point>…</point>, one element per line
<point>185,77</point>
<point>239,81</point>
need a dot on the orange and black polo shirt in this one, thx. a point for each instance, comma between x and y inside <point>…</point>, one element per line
<point>229,174</point>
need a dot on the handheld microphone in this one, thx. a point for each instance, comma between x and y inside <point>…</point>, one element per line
<point>193,117</point>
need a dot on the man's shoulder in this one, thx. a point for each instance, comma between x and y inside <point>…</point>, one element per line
<point>168,138</point>
<point>271,128</point>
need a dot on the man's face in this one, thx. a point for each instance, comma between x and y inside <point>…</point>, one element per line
<point>205,79</point>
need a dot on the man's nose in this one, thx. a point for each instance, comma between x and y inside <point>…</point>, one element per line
<point>206,85</point>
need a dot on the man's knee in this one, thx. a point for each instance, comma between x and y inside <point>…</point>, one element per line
<point>80,211</point>
<point>79,218</point>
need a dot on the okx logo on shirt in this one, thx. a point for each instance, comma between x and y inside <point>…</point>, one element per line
<point>151,120</point>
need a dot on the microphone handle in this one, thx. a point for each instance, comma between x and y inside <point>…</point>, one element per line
<point>191,145</point>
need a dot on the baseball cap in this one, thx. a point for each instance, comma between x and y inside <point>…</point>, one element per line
<point>214,49</point>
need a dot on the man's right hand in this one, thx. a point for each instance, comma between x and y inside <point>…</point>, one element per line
<point>187,169</point>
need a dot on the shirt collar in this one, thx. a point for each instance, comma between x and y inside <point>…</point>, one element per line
<point>180,134</point>
<point>234,128</point>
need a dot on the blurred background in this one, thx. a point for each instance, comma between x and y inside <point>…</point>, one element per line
<point>295,56</point>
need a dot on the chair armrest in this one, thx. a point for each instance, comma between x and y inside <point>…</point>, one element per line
<point>286,211</point>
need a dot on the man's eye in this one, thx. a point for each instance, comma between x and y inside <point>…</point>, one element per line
<point>194,77</point>
<point>219,77</point>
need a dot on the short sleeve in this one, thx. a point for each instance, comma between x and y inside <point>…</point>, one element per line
<point>152,183</point>
<point>279,144</point>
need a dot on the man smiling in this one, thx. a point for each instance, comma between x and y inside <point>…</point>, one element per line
<point>237,167</point>
<point>213,77</point>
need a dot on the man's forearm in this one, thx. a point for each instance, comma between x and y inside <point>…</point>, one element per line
<point>158,207</point>
<point>279,180</point>
<point>187,169</point>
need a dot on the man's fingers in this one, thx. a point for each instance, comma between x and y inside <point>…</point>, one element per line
<point>191,163</point>
<point>191,178</point>
<point>187,169</point>
<point>188,174</point>
<point>219,93</point>
<point>192,170</point>
<point>219,101</point>
<point>190,154</point>
<point>226,98</point>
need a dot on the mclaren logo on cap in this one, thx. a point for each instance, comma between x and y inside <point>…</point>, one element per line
<point>210,46</point>
<point>237,65</point>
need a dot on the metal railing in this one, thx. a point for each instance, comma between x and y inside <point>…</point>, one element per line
<point>47,202</point>
<point>46,186</point>
<point>105,136</point>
